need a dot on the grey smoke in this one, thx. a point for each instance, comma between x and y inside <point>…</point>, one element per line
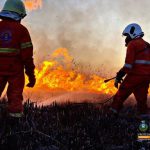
<point>90,29</point>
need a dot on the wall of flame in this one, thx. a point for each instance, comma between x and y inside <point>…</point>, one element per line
<point>62,73</point>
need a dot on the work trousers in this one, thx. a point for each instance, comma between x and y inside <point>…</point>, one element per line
<point>136,84</point>
<point>14,91</point>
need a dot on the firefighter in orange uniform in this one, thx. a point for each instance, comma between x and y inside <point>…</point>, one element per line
<point>136,69</point>
<point>16,54</point>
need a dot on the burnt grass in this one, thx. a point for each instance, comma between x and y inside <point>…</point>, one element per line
<point>70,126</point>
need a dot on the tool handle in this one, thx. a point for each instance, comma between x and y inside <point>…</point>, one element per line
<point>107,80</point>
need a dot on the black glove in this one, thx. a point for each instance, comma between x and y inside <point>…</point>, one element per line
<point>119,77</point>
<point>32,81</point>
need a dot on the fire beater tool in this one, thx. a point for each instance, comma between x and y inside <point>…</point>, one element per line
<point>107,80</point>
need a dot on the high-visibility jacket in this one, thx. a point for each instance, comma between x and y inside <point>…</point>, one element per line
<point>137,57</point>
<point>16,49</point>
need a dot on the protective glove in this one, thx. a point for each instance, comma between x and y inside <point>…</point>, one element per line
<point>119,77</point>
<point>116,83</point>
<point>32,81</point>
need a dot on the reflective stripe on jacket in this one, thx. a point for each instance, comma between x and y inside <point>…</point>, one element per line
<point>9,50</point>
<point>137,57</point>
<point>16,49</point>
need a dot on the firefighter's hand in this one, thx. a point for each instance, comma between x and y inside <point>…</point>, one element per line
<point>32,81</point>
<point>116,83</point>
<point>119,77</point>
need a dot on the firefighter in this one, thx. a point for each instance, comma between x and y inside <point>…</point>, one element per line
<point>16,54</point>
<point>136,69</point>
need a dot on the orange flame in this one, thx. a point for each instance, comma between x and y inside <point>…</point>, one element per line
<point>33,4</point>
<point>61,73</point>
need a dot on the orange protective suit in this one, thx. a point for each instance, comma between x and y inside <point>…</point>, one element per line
<point>16,52</point>
<point>137,67</point>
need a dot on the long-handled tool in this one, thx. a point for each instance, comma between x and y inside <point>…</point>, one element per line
<point>107,80</point>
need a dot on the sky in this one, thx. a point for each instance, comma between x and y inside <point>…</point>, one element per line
<point>91,30</point>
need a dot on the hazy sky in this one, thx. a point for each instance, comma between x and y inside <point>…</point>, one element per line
<point>90,29</point>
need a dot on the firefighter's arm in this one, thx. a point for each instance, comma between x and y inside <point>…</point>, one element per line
<point>130,57</point>
<point>27,57</point>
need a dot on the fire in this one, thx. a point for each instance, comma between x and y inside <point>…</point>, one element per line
<point>61,74</point>
<point>33,4</point>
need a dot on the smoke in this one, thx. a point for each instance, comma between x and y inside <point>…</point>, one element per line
<point>80,26</point>
<point>90,29</point>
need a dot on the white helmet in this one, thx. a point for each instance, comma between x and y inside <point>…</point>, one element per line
<point>133,30</point>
